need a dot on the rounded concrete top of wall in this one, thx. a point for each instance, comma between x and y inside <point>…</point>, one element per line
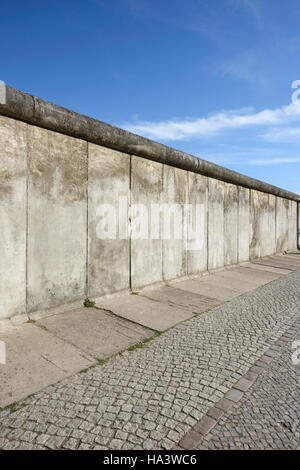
<point>27,108</point>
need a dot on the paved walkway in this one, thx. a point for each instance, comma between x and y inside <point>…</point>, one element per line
<point>151,397</point>
<point>267,417</point>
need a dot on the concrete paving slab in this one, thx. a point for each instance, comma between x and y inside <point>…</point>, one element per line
<point>293,256</point>
<point>147,312</point>
<point>277,263</point>
<point>34,359</point>
<point>223,279</point>
<point>286,257</point>
<point>195,303</point>
<point>293,259</point>
<point>208,289</point>
<point>270,269</point>
<point>95,332</point>
<point>247,282</point>
<point>255,277</point>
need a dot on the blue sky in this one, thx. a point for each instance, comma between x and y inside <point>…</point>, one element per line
<point>210,77</point>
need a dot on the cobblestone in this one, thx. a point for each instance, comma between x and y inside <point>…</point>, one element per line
<point>150,397</point>
<point>267,417</point>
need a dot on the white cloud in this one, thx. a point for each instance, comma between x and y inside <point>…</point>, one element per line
<point>272,161</point>
<point>187,129</point>
<point>245,67</point>
<point>248,155</point>
<point>284,134</point>
<point>252,6</point>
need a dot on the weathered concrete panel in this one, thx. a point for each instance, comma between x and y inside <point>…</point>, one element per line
<point>174,247</point>
<point>243,224</point>
<point>255,208</point>
<point>12,217</point>
<point>146,243</point>
<point>298,225</point>
<point>259,223</point>
<point>230,224</point>
<point>197,224</point>
<point>216,190</point>
<point>264,224</point>
<point>57,218</point>
<point>108,252</point>
<point>282,211</point>
<point>270,236</point>
<point>292,226</point>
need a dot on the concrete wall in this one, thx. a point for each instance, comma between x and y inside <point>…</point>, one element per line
<point>108,258</point>
<point>197,194</point>
<point>243,225</point>
<point>53,247</point>
<point>13,204</point>
<point>146,191</point>
<point>56,219</point>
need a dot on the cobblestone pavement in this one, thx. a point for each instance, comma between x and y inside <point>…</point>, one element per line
<point>150,397</point>
<point>268,415</point>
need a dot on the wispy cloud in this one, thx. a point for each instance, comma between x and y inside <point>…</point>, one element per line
<point>205,17</point>
<point>245,67</point>
<point>247,156</point>
<point>272,161</point>
<point>284,134</point>
<point>187,129</point>
<point>252,6</point>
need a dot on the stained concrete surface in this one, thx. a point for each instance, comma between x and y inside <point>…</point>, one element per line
<point>215,224</point>
<point>292,222</point>
<point>13,183</point>
<point>243,224</point>
<point>282,210</point>
<point>57,217</point>
<point>254,277</point>
<point>146,242</point>
<point>94,331</point>
<point>174,247</point>
<point>197,194</point>
<point>108,243</point>
<point>209,289</point>
<point>180,298</point>
<point>260,238</point>
<point>265,268</point>
<point>235,282</point>
<point>35,358</point>
<point>147,312</point>
<point>280,262</point>
<point>230,224</point>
